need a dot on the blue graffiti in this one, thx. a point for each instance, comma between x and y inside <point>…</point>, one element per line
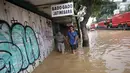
<point>31,44</point>
<point>18,47</point>
<point>11,58</point>
<point>18,38</point>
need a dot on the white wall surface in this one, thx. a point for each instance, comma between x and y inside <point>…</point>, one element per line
<point>42,31</point>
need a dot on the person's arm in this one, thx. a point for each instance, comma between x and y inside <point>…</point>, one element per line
<point>67,38</point>
<point>76,38</point>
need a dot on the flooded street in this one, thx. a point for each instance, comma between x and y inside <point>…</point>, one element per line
<point>112,48</point>
<point>109,52</point>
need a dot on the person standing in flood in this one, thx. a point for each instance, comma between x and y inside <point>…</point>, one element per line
<point>73,39</point>
<point>60,42</point>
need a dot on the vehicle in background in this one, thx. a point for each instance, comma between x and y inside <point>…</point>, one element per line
<point>101,24</point>
<point>119,21</point>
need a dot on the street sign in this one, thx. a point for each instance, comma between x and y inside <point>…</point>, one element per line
<point>62,9</point>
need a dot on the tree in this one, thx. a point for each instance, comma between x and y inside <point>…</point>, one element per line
<point>86,16</point>
<point>90,4</point>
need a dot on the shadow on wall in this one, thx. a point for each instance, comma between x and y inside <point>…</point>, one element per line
<point>18,47</point>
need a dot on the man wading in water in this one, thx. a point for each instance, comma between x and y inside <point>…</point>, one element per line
<point>73,39</point>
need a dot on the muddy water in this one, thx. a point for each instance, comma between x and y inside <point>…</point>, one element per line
<point>112,48</point>
<point>109,52</point>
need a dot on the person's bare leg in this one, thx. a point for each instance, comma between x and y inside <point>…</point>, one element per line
<point>63,48</point>
<point>73,51</point>
<point>59,48</point>
<point>63,52</point>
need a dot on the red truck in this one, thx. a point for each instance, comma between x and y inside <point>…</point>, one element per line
<point>101,24</point>
<point>119,21</point>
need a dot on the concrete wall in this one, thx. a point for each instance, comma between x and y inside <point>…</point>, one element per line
<point>25,39</point>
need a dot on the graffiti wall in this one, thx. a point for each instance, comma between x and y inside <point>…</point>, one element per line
<point>26,39</point>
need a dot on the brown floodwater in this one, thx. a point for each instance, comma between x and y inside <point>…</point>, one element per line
<point>112,48</point>
<point>109,52</point>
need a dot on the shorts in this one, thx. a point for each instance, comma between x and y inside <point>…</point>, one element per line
<point>74,47</point>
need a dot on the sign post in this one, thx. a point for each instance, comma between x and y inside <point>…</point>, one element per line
<point>62,9</point>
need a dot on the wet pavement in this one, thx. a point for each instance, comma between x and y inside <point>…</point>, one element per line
<point>109,52</point>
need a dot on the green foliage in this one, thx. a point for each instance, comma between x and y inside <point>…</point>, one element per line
<point>129,7</point>
<point>98,7</point>
<point>105,7</point>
